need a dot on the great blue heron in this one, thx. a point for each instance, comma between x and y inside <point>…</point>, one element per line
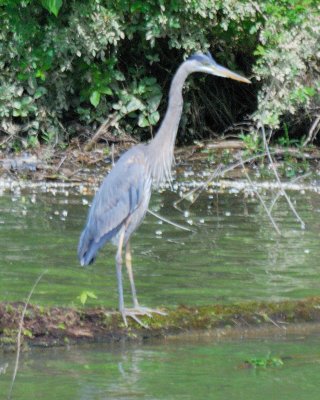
<point>120,204</point>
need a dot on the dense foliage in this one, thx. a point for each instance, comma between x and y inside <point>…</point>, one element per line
<point>66,66</point>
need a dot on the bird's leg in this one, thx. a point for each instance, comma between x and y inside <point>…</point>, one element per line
<point>119,277</point>
<point>137,309</point>
<point>124,312</point>
<point>130,274</point>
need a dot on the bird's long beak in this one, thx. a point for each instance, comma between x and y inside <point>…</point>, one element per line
<point>219,70</point>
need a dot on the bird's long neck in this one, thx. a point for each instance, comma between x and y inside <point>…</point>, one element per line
<point>160,149</point>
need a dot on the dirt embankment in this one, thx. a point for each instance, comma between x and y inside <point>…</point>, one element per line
<point>62,326</point>
<point>76,164</point>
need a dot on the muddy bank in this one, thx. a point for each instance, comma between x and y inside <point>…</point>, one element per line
<point>213,166</point>
<point>62,326</point>
<point>75,164</point>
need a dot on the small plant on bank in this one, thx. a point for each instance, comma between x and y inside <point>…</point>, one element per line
<point>285,140</point>
<point>210,154</point>
<point>252,142</point>
<point>85,295</point>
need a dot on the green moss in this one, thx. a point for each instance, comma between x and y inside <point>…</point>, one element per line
<point>60,325</point>
<point>9,309</point>
<point>8,337</point>
<point>5,340</point>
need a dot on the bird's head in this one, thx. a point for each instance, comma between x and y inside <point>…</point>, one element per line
<point>200,62</point>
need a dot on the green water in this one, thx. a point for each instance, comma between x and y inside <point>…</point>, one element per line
<point>168,371</point>
<point>233,254</point>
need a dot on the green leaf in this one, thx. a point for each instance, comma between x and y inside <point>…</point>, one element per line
<point>22,76</point>
<point>106,90</point>
<point>119,76</point>
<point>116,106</point>
<point>134,104</point>
<point>140,90</point>
<point>150,81</point>
<point>27,332</point>
<point>40,92</point>
<point>153,102</point>
<point>154,118</point>
<point>32,108</point>
<point>143,121</point>
<point>16,105</point>
<point>95,98</point>
<point>260,51</point>
<point>83,298</point>
<point>52,6</point>
<point>85,295</point>
<point>41,74</point>
<point>26,100</point>
<point>310,91</point>
<point>16,113</point>
<point>91,295</point>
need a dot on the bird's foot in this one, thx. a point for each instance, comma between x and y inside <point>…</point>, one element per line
<point>139,311</point>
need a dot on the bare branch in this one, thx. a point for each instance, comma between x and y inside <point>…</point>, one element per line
<point>261,199</point>
<point>313,131</point>
<point>111,120</point>
<point>169,222</point>
<point>219,171</point>
<point>298,178</point>
<point>278,178</point>
<point>16,366</point>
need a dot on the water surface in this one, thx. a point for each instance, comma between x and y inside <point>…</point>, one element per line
<point>233,253</point>
<point>168,371</point>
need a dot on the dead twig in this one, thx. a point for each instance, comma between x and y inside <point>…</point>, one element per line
<point>261,199</point>
<point>275,172</point>
<point>219,171</point>
<point>191,195</point>
<point>111,120</point>
<point>268,319</point>
<point>169,222</point>
<point>16,366</point>
<point>298,178</point>
<point>313,131</point>
<point>239,126</point>
<point>7,139</point>
<point>194,193</point>
<point>63,159</point>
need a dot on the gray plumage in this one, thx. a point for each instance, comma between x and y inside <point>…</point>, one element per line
<point>122,201</point>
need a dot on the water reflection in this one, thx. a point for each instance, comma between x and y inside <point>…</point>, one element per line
<point>169,370</point>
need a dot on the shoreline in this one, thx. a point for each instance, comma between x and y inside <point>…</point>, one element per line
<point>61,326</point>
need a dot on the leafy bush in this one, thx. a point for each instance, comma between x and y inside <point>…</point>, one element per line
<point>68,63</point>
<point>288,63</point>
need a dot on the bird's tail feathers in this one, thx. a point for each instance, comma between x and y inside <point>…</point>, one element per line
<point>88,247</point>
